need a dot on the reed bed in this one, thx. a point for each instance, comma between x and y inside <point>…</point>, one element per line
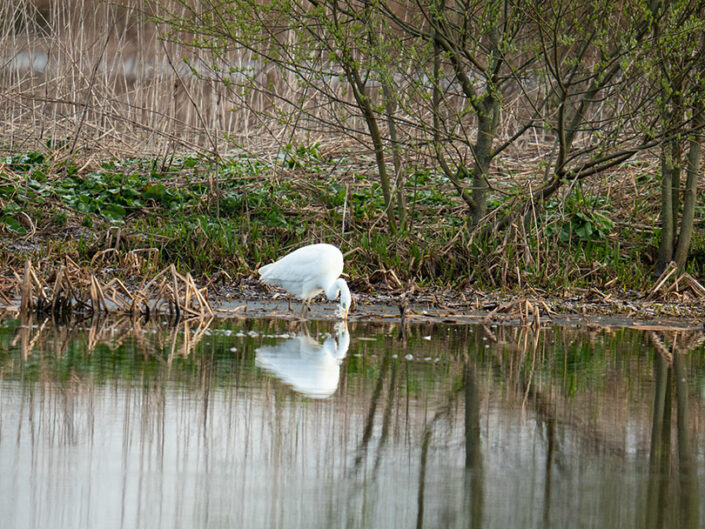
<point>100,79</point>
<point>94,77</point>
<point>95,80</point>
<point>71,288</point>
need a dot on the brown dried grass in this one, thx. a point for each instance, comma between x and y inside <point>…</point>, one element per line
<point>71,288</point>
<point>94,76</point>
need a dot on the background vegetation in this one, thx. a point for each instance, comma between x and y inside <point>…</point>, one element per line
<point>495,144</point>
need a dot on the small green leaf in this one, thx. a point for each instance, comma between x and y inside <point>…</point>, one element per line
<point>113,212</point>
<point>12,224</point>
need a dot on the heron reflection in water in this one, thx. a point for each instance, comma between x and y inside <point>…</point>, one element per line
<point>309,367</point>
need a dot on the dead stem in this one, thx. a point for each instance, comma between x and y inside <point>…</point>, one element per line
<point>75,289</point>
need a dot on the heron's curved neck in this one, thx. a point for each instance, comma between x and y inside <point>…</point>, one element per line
<point>338,286</point>
<point>343,344</point>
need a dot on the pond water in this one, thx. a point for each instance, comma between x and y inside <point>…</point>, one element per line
<point>255,423</point>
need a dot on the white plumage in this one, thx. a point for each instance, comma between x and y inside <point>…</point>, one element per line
<point>309,271</point>
<point>309,367</point>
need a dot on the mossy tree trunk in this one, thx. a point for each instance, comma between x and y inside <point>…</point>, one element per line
<point>684,118</point>
<point>665,251</point>
<point>693,174</point>
<point>487,125</point>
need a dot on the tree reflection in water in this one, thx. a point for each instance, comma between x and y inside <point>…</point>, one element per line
<point>122,423</point>
<point>671,384</point>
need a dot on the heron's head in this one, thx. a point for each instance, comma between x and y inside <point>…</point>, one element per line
<point>345,298</point>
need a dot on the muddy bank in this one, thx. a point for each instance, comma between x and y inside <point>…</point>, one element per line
<point>248,298</point>
<point>423,313</point>
<point>588,308</point>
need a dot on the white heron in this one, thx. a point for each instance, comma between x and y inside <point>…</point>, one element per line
<point>309,271</point>
<point>310,368</point>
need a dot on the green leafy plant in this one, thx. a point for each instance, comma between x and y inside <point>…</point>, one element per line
<point>582,219</point>
<point>300,156</point>
<point>8,219</point>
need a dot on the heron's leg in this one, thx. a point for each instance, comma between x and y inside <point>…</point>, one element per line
<point>290,309</point>
<point>304,307</point>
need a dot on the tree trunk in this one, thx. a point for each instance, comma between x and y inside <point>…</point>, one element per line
<point>665,250</point>
<point>390,106</point>
<point>676,153</point>
<point>487,122</point>
<point>363,102</point>
<point>691,187</point>
<point>399,171</point>
<point>357,81</point>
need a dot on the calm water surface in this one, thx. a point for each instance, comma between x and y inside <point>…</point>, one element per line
<point>263,424</point>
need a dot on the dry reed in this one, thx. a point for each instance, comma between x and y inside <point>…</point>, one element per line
<point>101,78</point>
<point>72,288</point>
<point>95,76</point>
